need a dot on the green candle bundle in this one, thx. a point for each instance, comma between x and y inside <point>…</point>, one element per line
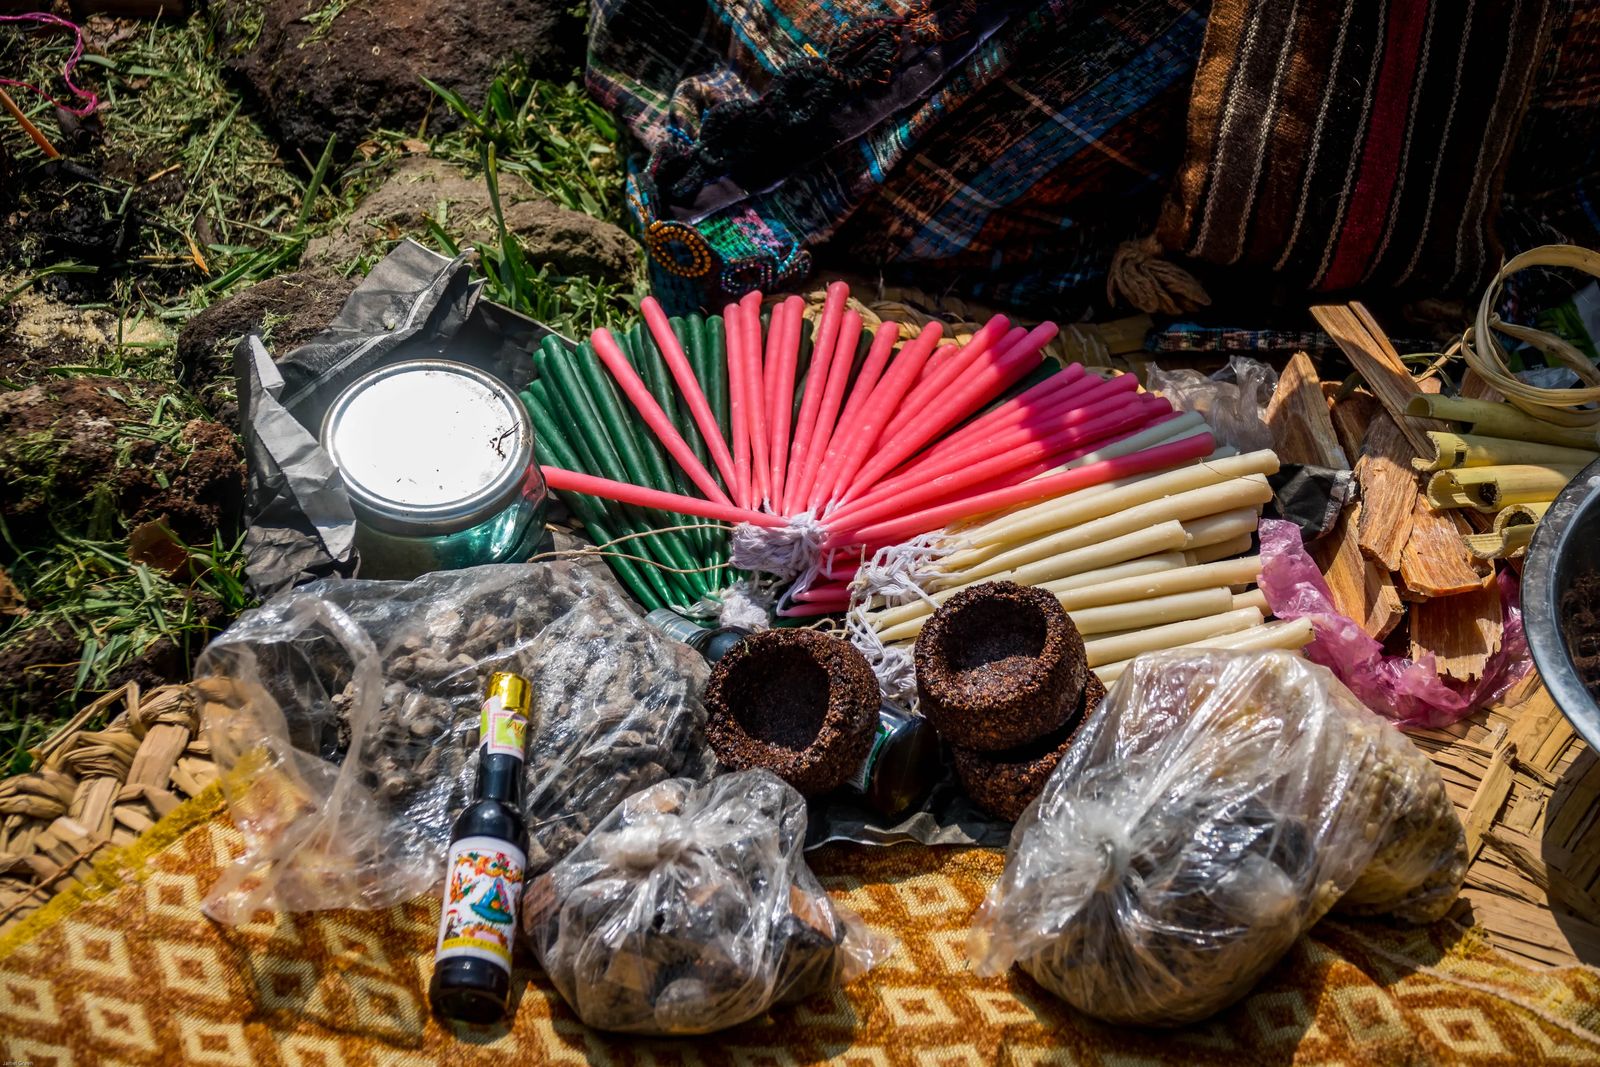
<point>583,424</point>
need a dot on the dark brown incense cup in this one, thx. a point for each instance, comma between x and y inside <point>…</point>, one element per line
<point>999,665</point>
<point>797,702</point>
<point>1005,783</point>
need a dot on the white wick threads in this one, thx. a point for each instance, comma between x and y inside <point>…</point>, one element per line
<point>892,664</point>
<point>899,573</point>
<point>785,551</point>
<point>746,606</point>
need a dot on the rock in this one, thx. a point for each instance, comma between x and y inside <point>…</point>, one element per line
<point>287,310</point>
<point>362,70</point>
<point>64,461</point>
<point>569,241</point>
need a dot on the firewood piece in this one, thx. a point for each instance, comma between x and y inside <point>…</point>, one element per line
<point>1354,331</point>
<point>1352,415</point>
<point>1435,561</point>
<point>1389,491</point>
<point>1297,415</point>
<point>1363,589</point>
<point>1462,631</point>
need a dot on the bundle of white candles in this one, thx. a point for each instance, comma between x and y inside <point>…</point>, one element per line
<point>1147,562</point>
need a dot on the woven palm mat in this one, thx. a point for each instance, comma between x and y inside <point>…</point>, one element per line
<point>137,976</point>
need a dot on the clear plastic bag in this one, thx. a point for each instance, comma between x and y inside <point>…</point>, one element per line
<point>1233,401</point>
<point>344,718</point>
<point>1215,807</point>
<point>690,909</point>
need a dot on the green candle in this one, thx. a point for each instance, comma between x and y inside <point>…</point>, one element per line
<point>592,512</point>
<point>616,456</point>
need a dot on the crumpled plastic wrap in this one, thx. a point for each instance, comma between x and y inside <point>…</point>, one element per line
<point>691,909</point>
<point>344,719</point>
<point>1233,401</point>
<point>1214,807</point>
<point>1411,692</point>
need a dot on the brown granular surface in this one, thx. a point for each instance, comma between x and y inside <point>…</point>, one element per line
<point>1005,783</point>
<point>999,665</point>
<point>797,702</point>
<point>1580,619</point>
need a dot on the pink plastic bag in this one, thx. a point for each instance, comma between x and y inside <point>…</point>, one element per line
<point>1411,692</point>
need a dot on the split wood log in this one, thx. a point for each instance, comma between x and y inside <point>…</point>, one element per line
<point>1297,415</point>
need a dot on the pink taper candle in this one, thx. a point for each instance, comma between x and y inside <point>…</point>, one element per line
<point>628,493</point>
<point>1063,390</point>
<point>937,481</point>
<point>689,386</point>
<point>896,530</point>
<point>738,409</point>
<point>660,423</point>
<point>881,406</point>
<point>843,363</point>
<point>755,401</point>
<point>1006,440</point>
<point>783,393</point>
<point>951,369</point>
<point>816,381</point>
<point>883,342</point>
<point>991,374</point>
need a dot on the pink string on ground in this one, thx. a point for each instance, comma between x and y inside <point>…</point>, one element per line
<point>66,72</point>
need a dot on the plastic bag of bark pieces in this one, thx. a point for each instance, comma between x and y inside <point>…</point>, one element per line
<point>1215,807</point>
<point>344,716</point>
<point>690,909</point>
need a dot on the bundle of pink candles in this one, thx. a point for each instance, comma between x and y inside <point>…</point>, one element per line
<point>878,454</point>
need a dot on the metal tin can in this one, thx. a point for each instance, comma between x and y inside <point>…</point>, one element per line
<point>438,460</point>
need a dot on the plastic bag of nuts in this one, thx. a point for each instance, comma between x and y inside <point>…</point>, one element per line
<point>1215,807</point>
<point>344,715</point>
<point>690,909</point>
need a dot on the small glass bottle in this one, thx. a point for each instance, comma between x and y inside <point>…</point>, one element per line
<point>484,868</point>
<point>901,767</point>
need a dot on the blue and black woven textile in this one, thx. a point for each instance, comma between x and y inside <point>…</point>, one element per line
<point>1005,149</point>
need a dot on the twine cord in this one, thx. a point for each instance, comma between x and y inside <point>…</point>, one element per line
<point>93,99</point>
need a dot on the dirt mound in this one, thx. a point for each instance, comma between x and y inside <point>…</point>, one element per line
<point>322,67</point>
<point>76,453</point>
<point>286,310</point>
<point>570,242</point>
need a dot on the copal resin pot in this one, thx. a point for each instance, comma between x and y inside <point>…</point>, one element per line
<point>438,461</point>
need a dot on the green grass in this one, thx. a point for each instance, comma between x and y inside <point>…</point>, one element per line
<point>239,211</point>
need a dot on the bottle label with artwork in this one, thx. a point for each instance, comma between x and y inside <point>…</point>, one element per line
<point>483,882</point>
<point>503,730</point>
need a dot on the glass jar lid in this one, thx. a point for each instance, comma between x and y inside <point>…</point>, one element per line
<point>429,447</point>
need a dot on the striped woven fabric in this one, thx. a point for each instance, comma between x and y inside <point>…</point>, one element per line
<point>1350,143</point>
<point>1009,147</point>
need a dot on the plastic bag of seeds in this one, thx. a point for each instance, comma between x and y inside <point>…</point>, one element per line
<point>690,909</point>
<point>1215,807</point>
<point>344,715</point>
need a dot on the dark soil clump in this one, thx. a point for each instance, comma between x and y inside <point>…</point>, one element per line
<point>363,71</point>
<point>72,455</point>
<point>287,310</point>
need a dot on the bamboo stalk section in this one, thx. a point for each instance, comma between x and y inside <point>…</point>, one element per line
<point>1491,419</point>
<point>1521,514</point>
<point>1454,450</point>
<point>1508,543</point>
<point>1492,488</point>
